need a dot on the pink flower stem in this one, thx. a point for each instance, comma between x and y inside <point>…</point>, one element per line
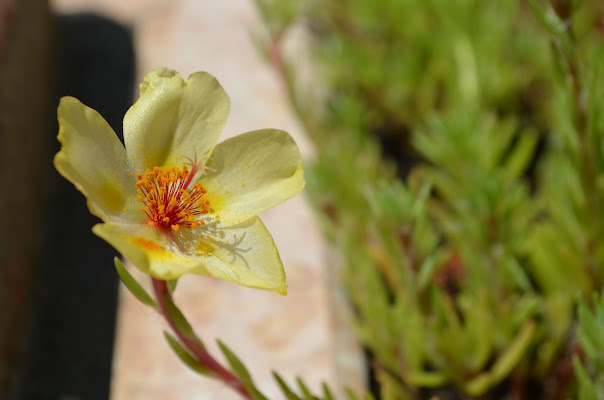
<point>194,347</point>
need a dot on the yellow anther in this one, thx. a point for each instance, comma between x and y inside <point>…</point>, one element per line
<point>175,227</point>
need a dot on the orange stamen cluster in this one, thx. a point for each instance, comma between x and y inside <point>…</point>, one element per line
<point>169,202</point>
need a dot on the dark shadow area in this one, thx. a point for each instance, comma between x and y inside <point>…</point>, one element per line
<point>68,350</point>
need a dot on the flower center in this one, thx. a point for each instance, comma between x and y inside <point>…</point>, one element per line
<point>169,201</point>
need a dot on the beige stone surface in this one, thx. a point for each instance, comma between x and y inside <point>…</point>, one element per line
<point>296,335</point>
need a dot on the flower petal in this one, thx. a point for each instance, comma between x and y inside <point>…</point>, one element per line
<point>244,254</point>
<point>94,160</point>
<point>173,119</point>
<point>150,250</point>
<point>253,172</point>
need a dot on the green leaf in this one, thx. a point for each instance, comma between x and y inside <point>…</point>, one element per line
<point>426,271</point>
<point>235,363</point>
<point>184,355</point>
<point>241,371</point>
<point>514,352</point>
<point>521,155</point>
<point>180,321</point>
<point>132,285</point>
<point>427,379</point>
<point>327,395</point>
<point>508,360</point>
<point>548,17</point>
<point>289,394</point>
<point>518,274</point>
<point>172,284</point>
<point>587,389</point>
<point>305,391</point>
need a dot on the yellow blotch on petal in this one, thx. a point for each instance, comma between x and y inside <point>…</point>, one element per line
<point>149,245</point>
<point>112,197</point>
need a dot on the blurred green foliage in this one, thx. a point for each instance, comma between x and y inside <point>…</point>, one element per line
<point>459,174</point>
<point>590,334</point>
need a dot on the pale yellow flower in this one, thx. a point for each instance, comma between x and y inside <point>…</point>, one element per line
<point>173,201</point>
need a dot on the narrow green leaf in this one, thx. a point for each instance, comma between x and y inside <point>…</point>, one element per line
<point>132,285</point>
<point>426,271</point>
<point>172,284</point>
<point>327,395</point>
<point>508,360</point>
<point>241,371</point>
<point>236,365</point>
<point>548,17</point>
<point>184,355</point>
<point>350,394</point>
<point>588,322</point>
<point>514,352</point>
<point>180,320</point>
<point>580,373</point>
<point>590,330</point>
<point>518,275</point>
<point>305,391</point>
<point>256,395</point>
<point>522,154</point>
<point>587,389</point>
<point>289,394</point>
<point>422,197</point>
<point>427,379</point>
<point>368,396</point>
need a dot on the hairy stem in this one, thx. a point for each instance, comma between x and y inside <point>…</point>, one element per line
<point>194,347</point>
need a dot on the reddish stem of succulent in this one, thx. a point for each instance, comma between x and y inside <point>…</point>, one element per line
<point>195,348</point>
